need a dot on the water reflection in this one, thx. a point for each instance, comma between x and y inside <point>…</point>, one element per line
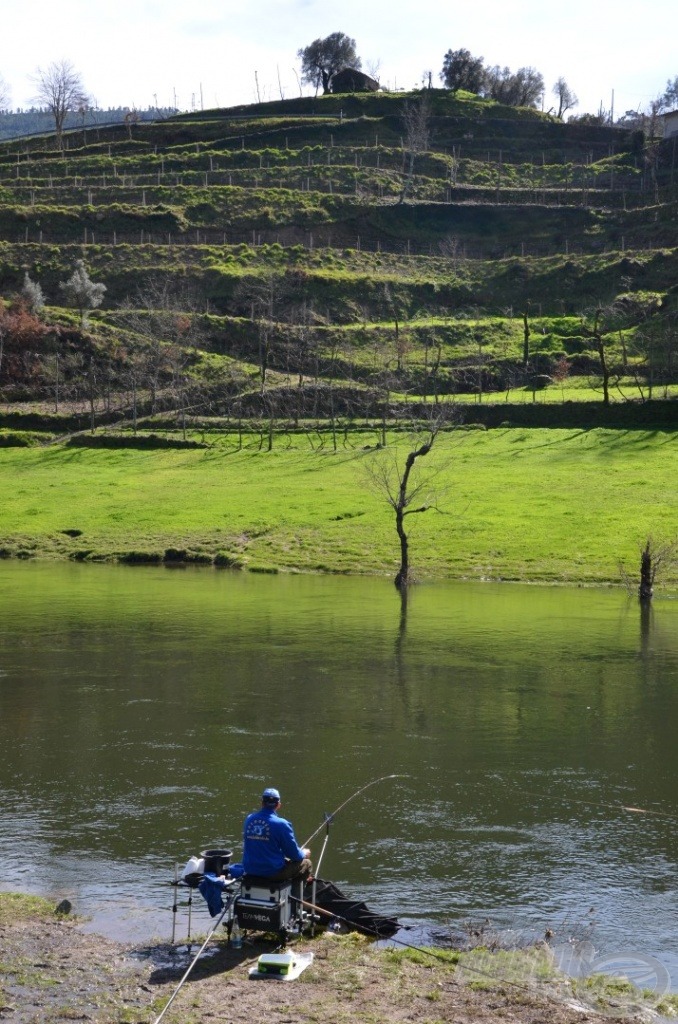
<point>141,711</point>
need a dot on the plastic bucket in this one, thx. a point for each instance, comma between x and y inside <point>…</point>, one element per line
<point>216,860</point>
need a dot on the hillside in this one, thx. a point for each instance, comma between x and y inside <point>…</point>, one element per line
<point>259,259</point>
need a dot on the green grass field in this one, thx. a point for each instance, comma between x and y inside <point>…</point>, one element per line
<point>535,505</point>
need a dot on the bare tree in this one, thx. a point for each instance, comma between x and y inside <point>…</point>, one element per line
<point>301,352</point>
<point>595,328</point>
<point>603,322</point>
<point>654,559</point>
<point>656,341</point>
<point>4,94</point>
<point>60,89</point>
<point>526,334</point>
<point>407,490</point>
<point>373,67</point>
<point>164,318</point>
<point>433,348</point>
<point>567,99</point>
<point>653,134</point>
<point>268,298</point>
<point>416,122</point>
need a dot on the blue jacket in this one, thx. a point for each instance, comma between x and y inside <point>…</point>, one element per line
<point>268,841</point>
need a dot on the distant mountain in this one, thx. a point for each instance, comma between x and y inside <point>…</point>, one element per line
<point>36,121</point>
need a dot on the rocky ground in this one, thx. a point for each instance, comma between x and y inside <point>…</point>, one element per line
<point>51,970</point>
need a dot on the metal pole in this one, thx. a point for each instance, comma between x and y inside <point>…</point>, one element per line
<point>328,820</point>
<point>440,956</point>
<point>174,905</point>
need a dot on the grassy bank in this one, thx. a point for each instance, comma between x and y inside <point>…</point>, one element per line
<point>513,504</point>
<point>53,971</point>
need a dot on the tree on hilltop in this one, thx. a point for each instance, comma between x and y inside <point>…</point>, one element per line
<point>4,94</point>
<point>567,99</point>
<point>60,89</point>
<point>669,99</point>
<point>461,70</point>
<point>323,57</point>
<point>521,88</point>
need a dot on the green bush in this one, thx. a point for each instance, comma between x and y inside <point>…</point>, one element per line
<point>175,555</point>
<point>140,558</point>
<point>22,438</point>
<point>138,441</point>
<point>226,560</point>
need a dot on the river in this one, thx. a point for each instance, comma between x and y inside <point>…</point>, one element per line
<point>143,710</point>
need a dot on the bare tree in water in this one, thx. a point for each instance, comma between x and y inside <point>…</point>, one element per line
<point>654,559</point>
<point>405,487</point>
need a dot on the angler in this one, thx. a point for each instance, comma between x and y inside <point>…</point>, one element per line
<point>256,902</point>
<point>272,888</point>
<point>270,848</point>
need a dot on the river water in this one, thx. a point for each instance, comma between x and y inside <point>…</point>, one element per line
<point>142,711</point>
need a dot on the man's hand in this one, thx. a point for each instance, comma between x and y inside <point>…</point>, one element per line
<point>307,852</point>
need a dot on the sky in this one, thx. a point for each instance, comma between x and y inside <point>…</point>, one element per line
<point>219,53</point>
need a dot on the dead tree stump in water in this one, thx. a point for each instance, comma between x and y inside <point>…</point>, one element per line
<point>647,573</point>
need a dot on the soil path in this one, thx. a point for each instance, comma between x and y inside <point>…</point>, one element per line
<point>50,970</point>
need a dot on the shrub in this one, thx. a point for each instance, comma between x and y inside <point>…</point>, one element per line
<point>199,558</point>
<point>21,438</point>
<point>175,555</point>
<point>143,441</point>
<point>225,560</point>
<point>140,558</point>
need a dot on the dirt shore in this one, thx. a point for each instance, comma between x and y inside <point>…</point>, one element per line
<point>51,970</point>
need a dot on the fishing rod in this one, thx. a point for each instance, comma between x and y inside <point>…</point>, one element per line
<point>587,803</point>
<point>329,818</point>
<point>409,945</point>
<point>229,900</point>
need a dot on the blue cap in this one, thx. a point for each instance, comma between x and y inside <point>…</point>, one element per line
<point>270,794</point>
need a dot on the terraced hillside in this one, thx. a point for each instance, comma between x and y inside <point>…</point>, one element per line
<point>312,256</point>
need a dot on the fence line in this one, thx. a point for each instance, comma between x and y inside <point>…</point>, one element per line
<point>451,249</point>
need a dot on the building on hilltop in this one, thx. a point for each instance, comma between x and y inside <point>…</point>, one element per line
<point>351,80</point>
<point>670,123</point>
